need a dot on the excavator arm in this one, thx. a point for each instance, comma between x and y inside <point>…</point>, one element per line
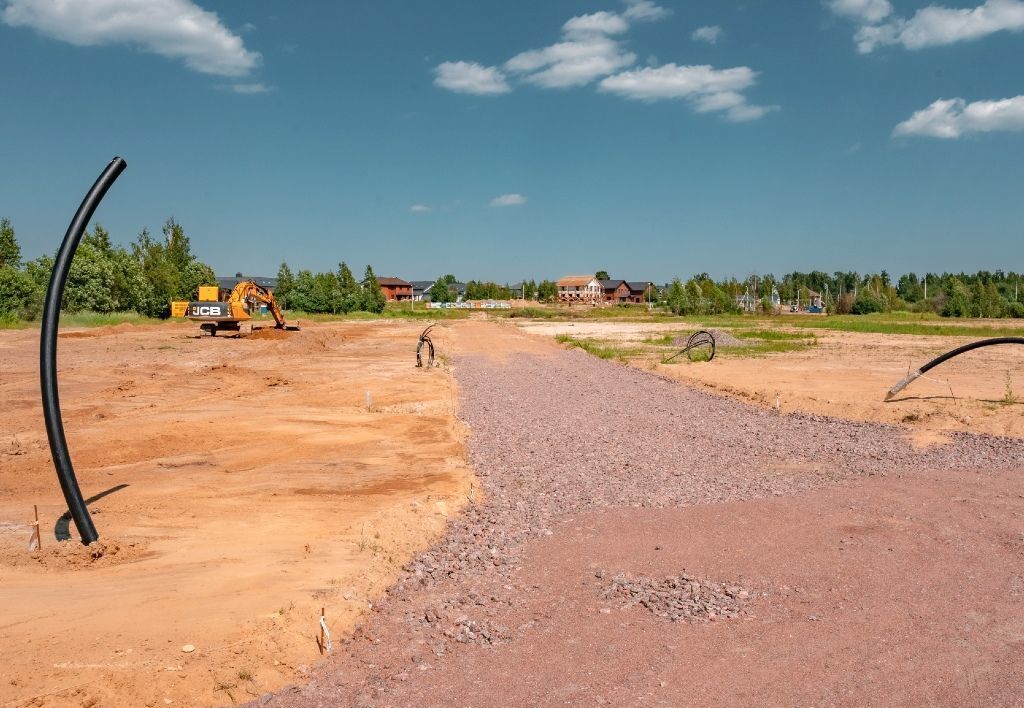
<point>248,295</point>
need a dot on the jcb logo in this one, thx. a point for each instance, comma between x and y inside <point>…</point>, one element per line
<point>206,310</point>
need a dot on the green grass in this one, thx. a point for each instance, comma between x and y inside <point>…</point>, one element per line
<point>600,350</point>
<point>904,323</point>
<point>772,335</point>
<point>84,319</point>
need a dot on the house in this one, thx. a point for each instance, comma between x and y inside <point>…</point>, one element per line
<point>421,289</point>
<point>395,289</point>
<point>516,289</point>
<point>580,288</point>
<point>226,284</point>
<point>642,291</point>
<point>615,290</point>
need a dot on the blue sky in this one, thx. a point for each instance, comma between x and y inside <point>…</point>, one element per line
<point>528,139</point>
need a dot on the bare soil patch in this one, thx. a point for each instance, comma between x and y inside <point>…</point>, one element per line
<point>239,485</point>
<point>842,533</point>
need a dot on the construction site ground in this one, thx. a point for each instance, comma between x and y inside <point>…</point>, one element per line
<point>248,483</point>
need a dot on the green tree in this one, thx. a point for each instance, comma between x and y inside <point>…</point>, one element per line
<point>301,296</point>
<point>440,292</point>
<point>373,296</point>
<point>547,291</point>
<point>676,299</point>
<point>351,290</point>
<point>20,296</point>
<point>958,299</point>
<point>603,275</point>
<point>10,251</point>
<point>285,284</point>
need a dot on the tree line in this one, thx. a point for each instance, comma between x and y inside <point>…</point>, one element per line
<point>330,292</point>
<point>104,277</point>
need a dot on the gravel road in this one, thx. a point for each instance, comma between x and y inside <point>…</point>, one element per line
<point>555,437</point>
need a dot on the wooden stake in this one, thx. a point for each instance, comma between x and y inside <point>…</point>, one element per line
<point>323,639</point>
<point>36,535</point>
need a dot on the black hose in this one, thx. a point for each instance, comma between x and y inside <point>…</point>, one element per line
<point>424,339</point>
<point>947,356</point>
<point>700,338</point>
<point>48,351</point>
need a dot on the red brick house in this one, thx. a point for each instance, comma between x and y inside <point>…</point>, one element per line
<point>615,290</point>
<point>641,292</point>
<point>395,289</point>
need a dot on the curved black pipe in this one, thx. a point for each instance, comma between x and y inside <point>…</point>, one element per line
<point>424,339</point>
<point>947,356</point>
<point>48,351</point>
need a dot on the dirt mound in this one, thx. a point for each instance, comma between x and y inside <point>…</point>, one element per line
<point>98,331</point>
<point>270,333</point>
<point>74,555</point>
<point>677,597</point>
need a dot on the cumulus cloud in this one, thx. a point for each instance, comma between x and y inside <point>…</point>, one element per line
<point>177,29</point>
<point>930,26</point>
<point>587,52</point>
<point>644,11</point>
<point>508,200</point>
<point>247,88</point>
<point>591,49</point>
<point>419,208</point>
<point>470,77</point>
<point>865,11</point>
<point>954,117</point>
<point>710,34</point>
<point>707,88</point>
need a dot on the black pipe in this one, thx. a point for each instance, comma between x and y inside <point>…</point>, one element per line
<point>947,356</point>
<point>48,351</point>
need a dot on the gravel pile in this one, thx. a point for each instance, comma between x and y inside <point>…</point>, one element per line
<point>556,436</point>
<point>677,597</point>
<point>722,339</point>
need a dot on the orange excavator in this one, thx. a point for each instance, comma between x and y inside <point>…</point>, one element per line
<point>217,314</point>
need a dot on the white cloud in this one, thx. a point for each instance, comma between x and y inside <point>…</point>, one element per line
<point>953,117</point>
<point>419,208</point>
<point>932,25</point>
<point>508,200</point>
<point>575,62</point>
<point>644,11</point>
<point>177,29</point>
<point>248,88</point>
<point>865,11</point>
<point>591,49</point>
<point>470,77</point>
<point>709,89</point>
<point>596,23</point>
<point>709,34</point>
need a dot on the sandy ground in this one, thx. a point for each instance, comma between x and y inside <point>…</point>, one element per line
<point>848,374</point>
<point>878,574</point>
<point>245,484</point>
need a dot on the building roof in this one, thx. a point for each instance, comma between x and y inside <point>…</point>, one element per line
<point>421,284</point>
<point>393,282</point>
<point>574,280</point>
<point>639,285</point>
<point>611,284</point>
<point>230,281</point>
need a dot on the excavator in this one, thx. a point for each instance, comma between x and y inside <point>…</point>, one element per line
<point>226,315</point>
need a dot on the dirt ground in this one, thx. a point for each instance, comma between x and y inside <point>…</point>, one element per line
<point>847,375</point>
<point>877,573</point>
<point>244,484</point>
<point>239,485</point>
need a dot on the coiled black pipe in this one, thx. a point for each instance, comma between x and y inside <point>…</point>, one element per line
<point>48,351</point>
<point>946,357</point>
<point>700,338</point>
<point>424,339</point>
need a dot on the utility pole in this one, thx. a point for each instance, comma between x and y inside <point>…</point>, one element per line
<point>926,286</point>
